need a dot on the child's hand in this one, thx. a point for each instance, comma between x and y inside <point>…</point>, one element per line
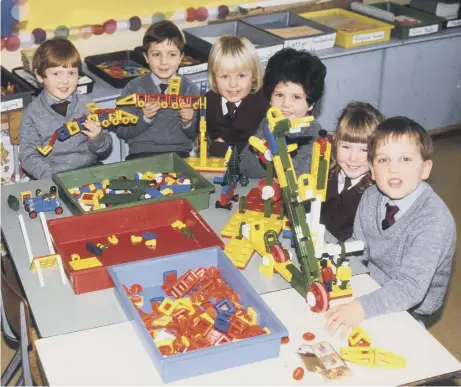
<point>186,113</point>
<point>348,315</point>
<point>150,109</point>
<point>93,129</point>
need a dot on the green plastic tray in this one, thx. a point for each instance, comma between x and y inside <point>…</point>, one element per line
<point>428,23</point>
<point>168,162</point>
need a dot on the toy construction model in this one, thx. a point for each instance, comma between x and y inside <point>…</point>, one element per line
<point>171,100</point>
<point>259,233</point>
<point>360,352</point>
<point>106,117</point>
<point>41,202</point>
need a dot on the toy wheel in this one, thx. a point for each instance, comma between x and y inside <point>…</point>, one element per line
<point>59,210</point>
<point>174,105</point>
<point>140,104</point>
<point>125,121</point>
<point>164,105</point>
<point>318,298</point>
<point>195,105</point>
<point>26,207</point>
<point>279,253</point>
<point>32,214</point>
<point>134,120</point>
<point>181,105</point>
<point>105,123</point>
<point>115,121</point>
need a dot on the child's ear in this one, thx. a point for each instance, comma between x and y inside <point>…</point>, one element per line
<point>310,108</point>
<point>372,171</point>
<point>39,78</point>
<point>427,168</point>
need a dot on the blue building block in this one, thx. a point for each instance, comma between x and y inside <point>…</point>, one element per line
<point>225,307</point>
<point>218,179</point>
<point>177,188</point>
<point>138,176</point>
<point>222,323</point>
<point>63,133</point>
<point>94,249</point>
<point>85,189</point>
<point>153,192</point>
<point>149,235</point>
<point>98,185</point>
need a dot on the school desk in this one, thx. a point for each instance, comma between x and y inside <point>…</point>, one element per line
<point>56,309</point>
<point>114,355</point>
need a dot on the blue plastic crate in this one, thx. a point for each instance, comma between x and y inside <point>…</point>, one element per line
<point>149,274</point>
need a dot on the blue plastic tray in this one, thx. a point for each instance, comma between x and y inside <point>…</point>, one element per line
<point>149,274</point>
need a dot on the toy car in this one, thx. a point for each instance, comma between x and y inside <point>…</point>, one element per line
<point>43,202</point>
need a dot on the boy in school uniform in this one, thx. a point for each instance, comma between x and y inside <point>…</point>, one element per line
<point>408,231</point>
<point>294,81</point>
<point>56,64</point>
<point>160,130</point>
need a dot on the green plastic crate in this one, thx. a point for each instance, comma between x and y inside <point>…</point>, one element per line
<point>428,23</point>
<point>168,162</point>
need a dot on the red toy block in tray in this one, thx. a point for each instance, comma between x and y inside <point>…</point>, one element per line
<point>71,236</point>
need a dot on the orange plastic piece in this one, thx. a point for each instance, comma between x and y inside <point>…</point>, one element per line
<point>308,336</point>
<point>298,373</point>
<point>285,340</point>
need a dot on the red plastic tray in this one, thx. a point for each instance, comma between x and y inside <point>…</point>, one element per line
<point>70,236</point>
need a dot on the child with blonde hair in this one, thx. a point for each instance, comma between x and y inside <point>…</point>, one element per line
<point>350,172</point>
<point>235,103</point>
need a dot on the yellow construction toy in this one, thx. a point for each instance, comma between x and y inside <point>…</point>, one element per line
<point>360,352</point>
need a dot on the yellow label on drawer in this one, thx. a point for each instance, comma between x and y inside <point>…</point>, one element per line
<point>85,263</point>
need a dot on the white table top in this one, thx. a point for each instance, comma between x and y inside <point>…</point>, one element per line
<point>113,355</point>
<point>56,309</point>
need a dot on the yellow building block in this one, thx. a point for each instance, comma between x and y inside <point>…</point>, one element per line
<point>358,337</point>
<point>112,239</point>
<point>266,268</point>
<point>168,306</point>
<point>186,303</point>
<point>167,191</point>
<point>148,176</point>
<point>232,227</point>
<point>166,342</point>
<point>336,292</point>
<point>359,355</point>
<point>136,239</point>
<point>239,252</point>
<point>178,224</point>
<point>386,359</point>
<point>282,269</point>
<point>207,317</point>
<point>267,330</point>
<point>77,263</point>
<point>45,262</point>
<point>151,243</point>
<point>162,321</point>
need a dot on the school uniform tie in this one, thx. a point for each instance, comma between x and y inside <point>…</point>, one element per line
<point>389,220</point>
<point>231,109</point>
<point>61,108</point>
<point>163,87</point>
<point>347,184</point>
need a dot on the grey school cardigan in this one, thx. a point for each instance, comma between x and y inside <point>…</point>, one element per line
<point>165,132</point>
<point>302,158</point>
<point>412,259</point>
<point>38,124</point>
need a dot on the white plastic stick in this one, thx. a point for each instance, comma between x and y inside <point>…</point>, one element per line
<point>47,233</point>
<point>319,241</point>
<point>316,207</point>
<point>26,237</point>
<point>39,273</point>
<point>61,270</point>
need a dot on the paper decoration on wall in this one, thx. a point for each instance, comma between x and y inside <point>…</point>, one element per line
<point>15,12</point>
